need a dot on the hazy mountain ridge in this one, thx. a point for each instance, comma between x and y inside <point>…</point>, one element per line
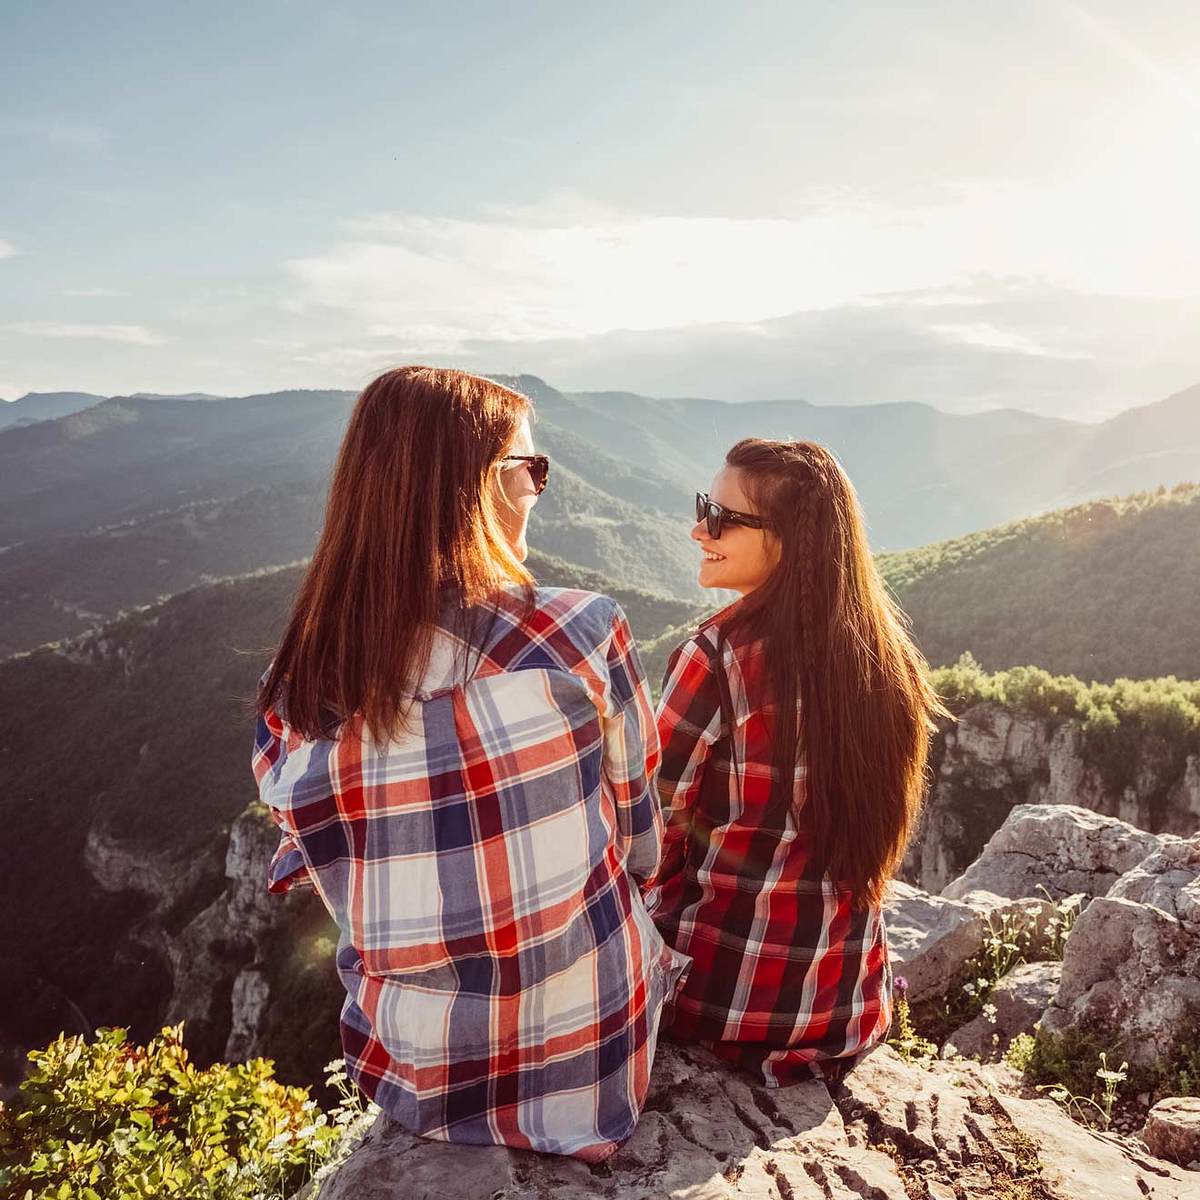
<point>922,475</point>
<point>57,587</point>
<point>44,406</point>
<point>125,457</point>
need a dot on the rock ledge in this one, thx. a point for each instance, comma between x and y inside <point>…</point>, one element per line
<point>890,1131</point>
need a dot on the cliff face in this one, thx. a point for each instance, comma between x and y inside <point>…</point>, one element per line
<point>995,757</point>
<point>233,966</point>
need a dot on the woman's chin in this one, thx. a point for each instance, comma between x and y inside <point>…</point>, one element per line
<point>710,576</point>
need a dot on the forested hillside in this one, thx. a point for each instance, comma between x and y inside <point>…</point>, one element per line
<point>1100,590</point>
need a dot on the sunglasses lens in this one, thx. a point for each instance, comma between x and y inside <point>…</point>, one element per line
<point>714,522</point>
<point>701,506</point>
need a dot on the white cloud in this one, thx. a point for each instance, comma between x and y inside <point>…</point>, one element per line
<point>993,343</point>
<point>132,335</point>
<point>7,249</point>
<point>565,268</point>
<point>992,337</point>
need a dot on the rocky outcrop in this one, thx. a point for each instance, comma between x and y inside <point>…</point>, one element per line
<point>217,989</point>
<point>890,1131</point>
<point>119,864</point>
<point>931,938</point>
<point>1017,1003</point>
<point>1173,1130</point>
<point>995,758</point>
<point>248,1009</point>
<point>1062,848</point>
<point>210,955</point>
<point>1132,963</point>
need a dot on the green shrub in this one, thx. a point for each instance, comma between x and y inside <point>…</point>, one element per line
<point>1123,723</point>
<point>109,1120</point>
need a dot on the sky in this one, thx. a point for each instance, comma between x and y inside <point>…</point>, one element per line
<point>965,204</point>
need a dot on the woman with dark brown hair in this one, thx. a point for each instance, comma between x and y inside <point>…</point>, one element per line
<point>459,764</point>
<point>795,727</point>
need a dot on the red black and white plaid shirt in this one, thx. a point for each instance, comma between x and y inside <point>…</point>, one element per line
<point>504,983</point>
<point>787,976</point>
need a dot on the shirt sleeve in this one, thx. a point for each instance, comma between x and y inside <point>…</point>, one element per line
<point>689,722</point>
<point>631,752</point>
<point>287,868</point>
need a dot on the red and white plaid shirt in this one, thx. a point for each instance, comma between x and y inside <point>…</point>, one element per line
<point>786,974</point>
<point>503,981</point>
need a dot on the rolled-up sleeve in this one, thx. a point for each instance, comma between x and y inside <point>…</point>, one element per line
<point>287,868</point>
<point>631,752</point>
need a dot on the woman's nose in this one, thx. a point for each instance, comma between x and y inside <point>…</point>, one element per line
<point>699,531</point>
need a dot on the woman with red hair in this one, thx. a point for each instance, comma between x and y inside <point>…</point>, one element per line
<point>460,764</point>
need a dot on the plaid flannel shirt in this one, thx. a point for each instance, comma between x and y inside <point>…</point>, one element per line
<point>786,974</point>
<point>503,980</point>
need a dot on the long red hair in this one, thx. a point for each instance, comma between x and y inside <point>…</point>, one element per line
<point>839,643</point>
<point>410,514</point>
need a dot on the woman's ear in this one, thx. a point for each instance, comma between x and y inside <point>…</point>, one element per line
<point>772,547</point>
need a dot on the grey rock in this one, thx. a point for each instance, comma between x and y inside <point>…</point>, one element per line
<point>1020,998</point>
<point>889,1131</point>
<point>1169,879</point>
<point>1172,1129</point>
<point>213,950</point>
<point>1183,800</point>
<point>248,1002</point>
<point>930,938</point>
<point>1060,847</point>
<point>1132,962</point>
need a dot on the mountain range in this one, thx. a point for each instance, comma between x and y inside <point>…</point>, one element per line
<point>922,475</point>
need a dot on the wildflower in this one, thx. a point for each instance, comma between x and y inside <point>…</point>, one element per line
<point>989,1011</point>
<point>900,984</point>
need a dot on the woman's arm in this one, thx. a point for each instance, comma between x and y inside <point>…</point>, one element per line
<point>287,869</point>
<point>689,722</point>
<point>631,752</point>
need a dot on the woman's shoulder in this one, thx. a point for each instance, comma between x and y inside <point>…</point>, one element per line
<point>719,647</point>
<point>720,634</point>
<point>567,621</point>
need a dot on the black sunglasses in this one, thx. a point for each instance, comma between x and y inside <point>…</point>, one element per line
<point>715,516</point>
<point>539,469</point>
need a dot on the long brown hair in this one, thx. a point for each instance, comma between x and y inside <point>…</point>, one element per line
<point>410,512</point>
<point>839,643</point>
